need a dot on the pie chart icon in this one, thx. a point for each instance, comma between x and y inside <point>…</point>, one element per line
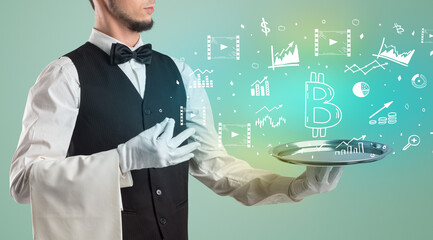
<point>361,89</point>
<point>419,81</point>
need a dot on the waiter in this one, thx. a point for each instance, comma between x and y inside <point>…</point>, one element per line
<point>104,152</point>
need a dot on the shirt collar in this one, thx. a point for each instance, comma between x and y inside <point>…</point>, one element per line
<point>104,41</point>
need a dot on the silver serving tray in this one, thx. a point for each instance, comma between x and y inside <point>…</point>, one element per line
<point>335,152</point>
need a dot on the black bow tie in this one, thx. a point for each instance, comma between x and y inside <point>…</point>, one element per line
<point>121,53</point>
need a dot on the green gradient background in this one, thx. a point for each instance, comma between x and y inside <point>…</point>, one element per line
<point>389,199</point>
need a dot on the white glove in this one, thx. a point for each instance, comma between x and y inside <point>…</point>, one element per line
<point>150,150</point>
<point>314,180</point>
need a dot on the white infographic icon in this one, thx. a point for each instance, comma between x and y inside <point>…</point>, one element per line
<point>320,113</point>
<point>361,89</point>
<point>367,68</point>
<point>202,79</point>
<point>182,111</point>
<point>390,53</point>
<point>348,148</point>
<point>260,122</point>
<point>234,135</point>
<point>398,28</point>
<point>332,42</point>
<point>386,105</point>
<point>426,35</point>
<point>288,57</point>
<point>419,81</point>
<point>223,47</point>
<point>265,28</point>
<point>413,140</point>
<point>260,88</point>
<point>269,110</point>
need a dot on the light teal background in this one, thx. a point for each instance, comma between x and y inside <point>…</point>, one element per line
<point>389,199</point>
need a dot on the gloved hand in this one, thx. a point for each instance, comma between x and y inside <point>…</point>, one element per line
<point>314,180</point>
<point>150,150</point>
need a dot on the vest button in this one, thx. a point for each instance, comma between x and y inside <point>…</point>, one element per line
<point>163,221</point>
<point>158,192</point>
<point>147,111</point>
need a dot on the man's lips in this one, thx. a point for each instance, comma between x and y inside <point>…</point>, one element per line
<point>150,10</point>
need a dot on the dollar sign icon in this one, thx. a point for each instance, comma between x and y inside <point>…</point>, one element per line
<point>320,113</point>
<point>265,28</point>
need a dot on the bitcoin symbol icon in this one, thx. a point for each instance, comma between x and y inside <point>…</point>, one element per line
<point>320,113</point>
<point>264,25</point>
<point>399,29</point>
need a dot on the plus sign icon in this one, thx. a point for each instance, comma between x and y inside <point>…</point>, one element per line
<point>413,140</point>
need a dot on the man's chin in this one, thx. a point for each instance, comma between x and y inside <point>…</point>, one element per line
<point>141,26</point>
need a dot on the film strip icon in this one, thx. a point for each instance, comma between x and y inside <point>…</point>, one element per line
<point>426,35</point>
<point>316,42</point>
<point>209,47</point>
<point>220,135</point>
<point>249,135</point>
<point>182,110</point>
<point>348,44</point>
<point>204,115</point>
<point>238,48</point>
<point>422,35</point>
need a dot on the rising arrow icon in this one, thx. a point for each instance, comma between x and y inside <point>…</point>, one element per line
<point>386,105</point>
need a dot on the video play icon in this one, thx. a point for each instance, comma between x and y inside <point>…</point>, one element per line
<point>223,47</point>
<point>234,135</point>
<point>332,42</point>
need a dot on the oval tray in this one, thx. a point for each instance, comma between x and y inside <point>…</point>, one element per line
<point>335,152</point>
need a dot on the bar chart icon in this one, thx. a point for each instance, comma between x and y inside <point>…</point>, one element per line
<point>351,150</point>
<point>260,88</point>
<point>202,83</point>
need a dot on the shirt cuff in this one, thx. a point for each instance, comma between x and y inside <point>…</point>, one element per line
<point>125,179</point>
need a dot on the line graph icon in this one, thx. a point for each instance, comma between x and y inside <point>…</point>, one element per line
<point>333,42</point>
<point>288,57</point>
<point>367,68</point>
<point>199,71</point>
<point>223,47</point>
<point>353,139</point>
<point>260,88</point>
<point>349,148</point>
<point>320,113</point>
<point>269,110</point>
<point>261,121</point>
<point>390,53</point>
<point>199,82</point>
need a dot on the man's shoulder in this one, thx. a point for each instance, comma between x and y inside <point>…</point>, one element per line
<point>62,63</point>
<point>60,69</point>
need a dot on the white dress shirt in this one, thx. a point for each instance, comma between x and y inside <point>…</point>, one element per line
<point>51,111</point>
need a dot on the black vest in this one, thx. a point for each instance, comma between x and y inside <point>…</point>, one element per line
<point>112,112</point>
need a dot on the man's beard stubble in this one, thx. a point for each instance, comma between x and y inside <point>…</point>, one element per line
<point>130,23</point>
